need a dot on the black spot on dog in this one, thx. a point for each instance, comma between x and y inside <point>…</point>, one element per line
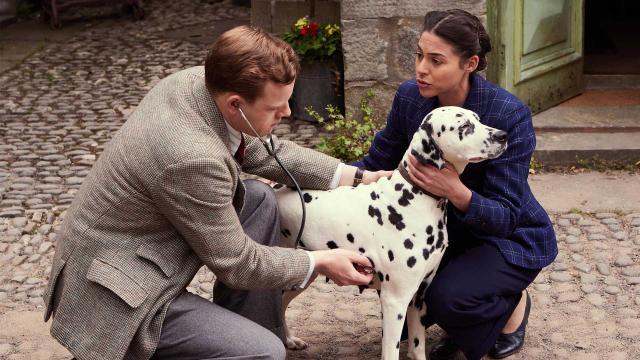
<point>459,115</point>
<point>406,197</point>
<point>443,128</point>
<point>380,276</point>
<point>429,230</point>
<point>400,316</point>
<point>395,218</point>
<point>374,196</point>
<point>375,212</point>
<point>398,345</point>
<point>411,261</point>
<point>426,126</point>
<point>430,239</point>
<point>416,342</point>
<point>440,225</point>
<point>408,244</point>
<point>404,163</point>
<point>425,254</point>
<point>438,133</point>
<point>440,241</point>
<point>332,245</point>
<point>386,277</point>
<point>350,238</point>
<point>361,250</point>
<point>451,128</point>
<point>415,189</point>
<point>423,160</point>
<point>307,198</point>
<point>423,320</point>
<point>399,186</point>
<point>390,253</point>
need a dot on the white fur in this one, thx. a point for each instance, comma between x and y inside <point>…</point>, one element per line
<point>333,214</point>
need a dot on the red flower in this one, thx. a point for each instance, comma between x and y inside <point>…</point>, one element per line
<point>314,28</point>
<point>304,30</point>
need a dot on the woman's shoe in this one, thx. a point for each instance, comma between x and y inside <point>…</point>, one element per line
<point>509,344</point>
<point>445,349</point>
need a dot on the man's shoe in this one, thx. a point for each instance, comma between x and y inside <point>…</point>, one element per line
<point>509,344</point>
<point>445,349</point>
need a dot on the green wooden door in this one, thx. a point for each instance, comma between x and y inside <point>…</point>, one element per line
<point>537,49</point>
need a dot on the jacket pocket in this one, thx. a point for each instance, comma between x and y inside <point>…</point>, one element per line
<point>148,251</point>
<point>56,270</point>
<point>112,278</point>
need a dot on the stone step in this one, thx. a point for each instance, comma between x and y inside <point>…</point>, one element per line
<point>589,119</point>
<point>573,148</point>
<point>570,135</point>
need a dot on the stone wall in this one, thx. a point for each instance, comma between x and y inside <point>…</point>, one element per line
<point>277,16</point>
<point>379,38</point>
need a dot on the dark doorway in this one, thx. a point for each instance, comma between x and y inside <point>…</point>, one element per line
<point>612,37</point>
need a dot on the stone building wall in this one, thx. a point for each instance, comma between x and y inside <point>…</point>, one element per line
<point>277,16</point>
<point>379,38</point>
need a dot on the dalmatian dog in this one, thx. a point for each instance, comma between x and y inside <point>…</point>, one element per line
<point>399,227</point>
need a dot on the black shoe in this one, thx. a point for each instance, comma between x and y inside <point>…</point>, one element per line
<point>509,344</point>
<point>445,349</point>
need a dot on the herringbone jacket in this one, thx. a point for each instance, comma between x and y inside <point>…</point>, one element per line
<point>161,201</point>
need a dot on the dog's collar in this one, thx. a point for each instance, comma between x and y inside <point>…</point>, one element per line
<point>405,174</point>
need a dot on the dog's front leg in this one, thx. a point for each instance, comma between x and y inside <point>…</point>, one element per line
<point>292,342</point>
<point>394,308</point>
<point>417,309</point>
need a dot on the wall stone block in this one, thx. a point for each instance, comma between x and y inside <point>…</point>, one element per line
<point>364,50</point>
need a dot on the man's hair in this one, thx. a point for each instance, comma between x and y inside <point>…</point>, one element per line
<point>244,58</point>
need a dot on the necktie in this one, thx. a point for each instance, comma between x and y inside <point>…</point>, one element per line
<point>239,155</point>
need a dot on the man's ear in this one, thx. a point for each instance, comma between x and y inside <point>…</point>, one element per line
<point>232,103</point>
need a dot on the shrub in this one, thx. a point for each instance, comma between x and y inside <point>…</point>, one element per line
<point>349,138</point>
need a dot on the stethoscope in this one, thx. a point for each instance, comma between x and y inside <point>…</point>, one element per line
<point>272,152</point>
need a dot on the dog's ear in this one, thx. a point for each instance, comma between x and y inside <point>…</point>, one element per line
<point>424,147</point>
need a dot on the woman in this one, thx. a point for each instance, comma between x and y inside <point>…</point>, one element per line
<point>499,236</point>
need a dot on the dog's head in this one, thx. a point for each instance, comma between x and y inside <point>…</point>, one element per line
<point>455,134</point>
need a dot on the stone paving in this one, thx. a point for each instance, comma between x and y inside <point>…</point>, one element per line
<point>60,107</point>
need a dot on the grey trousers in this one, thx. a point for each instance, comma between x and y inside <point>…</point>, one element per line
<point>239,324</point>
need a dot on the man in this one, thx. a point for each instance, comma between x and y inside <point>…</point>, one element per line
<point>165,198</point>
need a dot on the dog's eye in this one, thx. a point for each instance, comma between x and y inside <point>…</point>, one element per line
<point>464,126</point>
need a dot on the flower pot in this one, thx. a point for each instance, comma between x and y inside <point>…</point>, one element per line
<point>314,87</point>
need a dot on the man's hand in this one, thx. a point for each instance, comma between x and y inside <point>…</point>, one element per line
<point>344,267</point>
<point>445,183</point>
<point>372,176</point>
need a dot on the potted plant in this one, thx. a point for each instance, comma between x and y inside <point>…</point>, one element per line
<point>319,83</point>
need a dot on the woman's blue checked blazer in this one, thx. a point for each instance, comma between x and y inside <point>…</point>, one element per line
<point>503,211</point>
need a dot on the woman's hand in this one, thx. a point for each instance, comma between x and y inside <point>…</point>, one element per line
<point>445,183</point>
<point>373,176</point>
<point>343,266</point>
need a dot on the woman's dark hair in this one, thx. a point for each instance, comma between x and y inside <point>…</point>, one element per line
<point>462,30</point>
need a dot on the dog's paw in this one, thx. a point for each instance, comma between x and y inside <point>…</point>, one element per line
<point>295,343</point>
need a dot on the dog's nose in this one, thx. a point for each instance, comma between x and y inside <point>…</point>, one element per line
<point>499,136</point>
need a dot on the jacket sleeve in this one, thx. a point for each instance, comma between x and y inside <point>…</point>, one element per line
<point>389,143</point>
<point>196,197</point>
<point>312,169</point>
<point>495,208</point>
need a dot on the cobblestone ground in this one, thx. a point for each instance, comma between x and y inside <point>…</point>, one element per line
<point>60,107</point>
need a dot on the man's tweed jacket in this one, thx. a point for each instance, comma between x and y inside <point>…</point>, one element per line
<point>161,201</point>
